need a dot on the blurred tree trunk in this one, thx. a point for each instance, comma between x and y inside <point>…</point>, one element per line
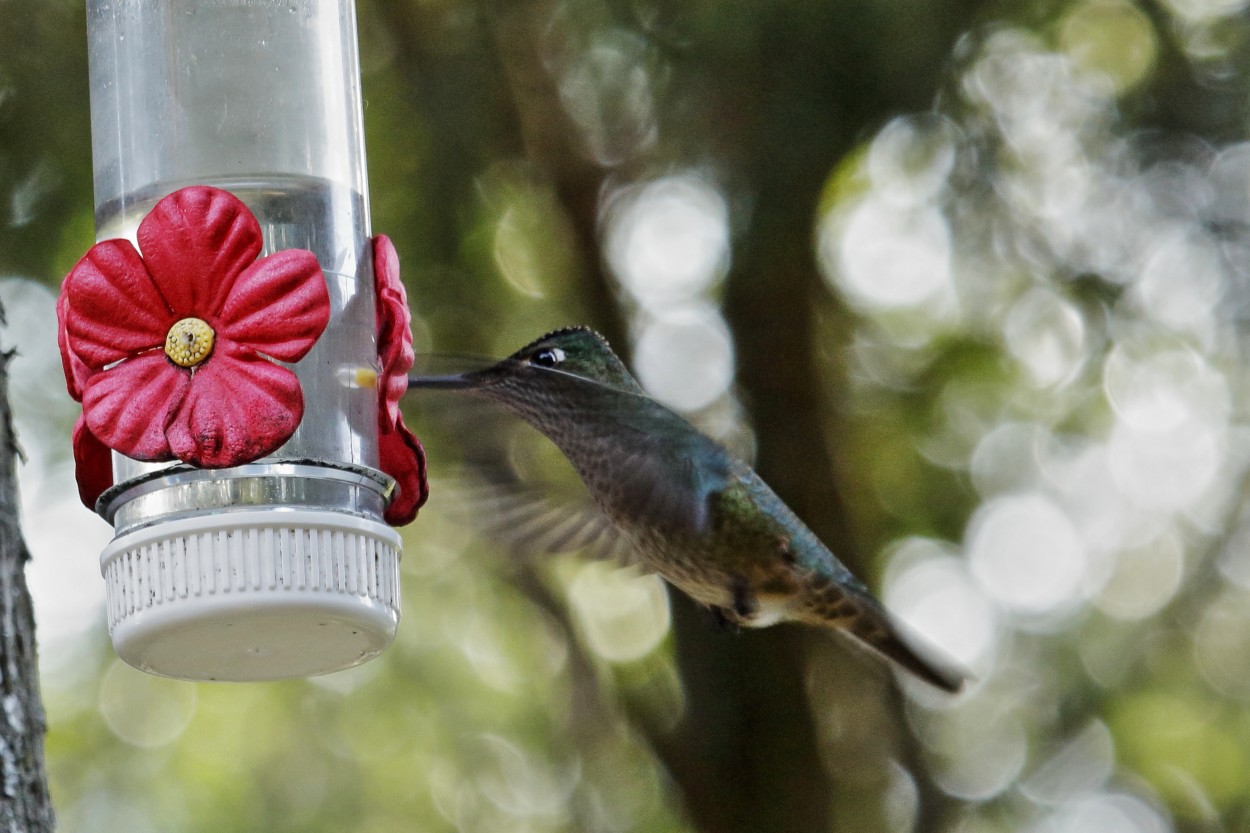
<point>785,99</point>
<point>811,90</point>
<point>751,725</point>
<point>746,756</point>
<point>24,801</point>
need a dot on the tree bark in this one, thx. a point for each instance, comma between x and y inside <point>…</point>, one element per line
<point>25,806</point>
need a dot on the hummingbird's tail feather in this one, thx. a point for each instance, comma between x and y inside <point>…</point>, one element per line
<point>861,616</point>
<point>893,642</point>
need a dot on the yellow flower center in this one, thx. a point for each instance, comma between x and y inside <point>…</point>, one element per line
<point>189,342</point>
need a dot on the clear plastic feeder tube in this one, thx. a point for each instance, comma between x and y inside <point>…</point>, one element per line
<point>262,99</point>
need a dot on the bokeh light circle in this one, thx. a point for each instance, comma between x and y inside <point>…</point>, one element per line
<point>893,256</point>
<point>932,593</point>
<point>623,615</point>
<point>668,240</point>
<point>685,359</point>
<point>1026,554</point>
<point>144,710</point>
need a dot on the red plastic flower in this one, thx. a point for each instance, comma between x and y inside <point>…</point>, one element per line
<point>402,456</point>
<point>172,353</point>
<point>92,460</point>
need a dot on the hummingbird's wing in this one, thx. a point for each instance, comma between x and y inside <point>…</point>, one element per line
<point>504,486</point>
<point>531,519</point>
<point>663,472</point>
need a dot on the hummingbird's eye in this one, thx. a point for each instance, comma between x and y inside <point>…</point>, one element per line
<point>547,357</point>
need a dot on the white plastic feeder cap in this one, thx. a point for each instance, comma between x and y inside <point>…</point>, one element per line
<point>253,595</point>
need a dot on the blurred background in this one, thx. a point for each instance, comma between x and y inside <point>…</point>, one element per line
<point>968,281</point>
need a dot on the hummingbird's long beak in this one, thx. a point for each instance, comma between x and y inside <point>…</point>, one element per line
<point>456,381</point>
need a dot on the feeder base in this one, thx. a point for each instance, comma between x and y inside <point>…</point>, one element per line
<point>258,595</point>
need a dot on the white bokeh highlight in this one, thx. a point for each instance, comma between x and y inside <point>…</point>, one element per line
<point>930,590</point>
<point>1104,812</point>
<point>1046,335</point>
<point>890,256</point>
<point>1026,554</point>
<point>1172,411</point>
<point>685,358</point>
<point>622,614</point>
<point>668,239</point>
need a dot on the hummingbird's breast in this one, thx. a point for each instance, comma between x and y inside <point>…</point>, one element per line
<point>739,560</point>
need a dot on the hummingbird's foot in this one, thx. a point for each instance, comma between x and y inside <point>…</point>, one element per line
<point>726,620</point>
<point>746,605</point>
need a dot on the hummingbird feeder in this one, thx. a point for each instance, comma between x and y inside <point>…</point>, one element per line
<point>239,343</point>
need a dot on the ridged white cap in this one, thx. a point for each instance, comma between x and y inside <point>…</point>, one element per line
<point>256,595</point>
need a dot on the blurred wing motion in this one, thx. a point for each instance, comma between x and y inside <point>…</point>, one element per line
<point>529,519</point>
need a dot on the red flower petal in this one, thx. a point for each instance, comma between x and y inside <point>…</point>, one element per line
<point>93,464</point>
<point>400,453</point>
<point>76,373</point>
<point>240,407</point>
<point>197,241</point>
<point>279,305</point>
<point>129,405</point>
<point>112,307</point>
<point>403,458</point>
<point>394,322</point>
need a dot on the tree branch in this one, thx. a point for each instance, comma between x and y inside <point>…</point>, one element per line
<point>25,804</point>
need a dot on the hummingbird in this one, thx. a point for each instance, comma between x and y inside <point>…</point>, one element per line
<point>686,507</point>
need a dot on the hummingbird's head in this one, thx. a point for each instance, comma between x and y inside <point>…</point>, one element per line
<point>575,351</point>
<point>570,355</point>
